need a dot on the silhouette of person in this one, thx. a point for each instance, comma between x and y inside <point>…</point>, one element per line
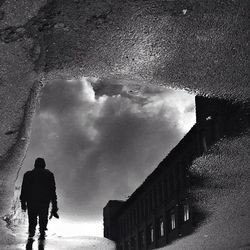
<point>29,245</point>
<point>38,190</point>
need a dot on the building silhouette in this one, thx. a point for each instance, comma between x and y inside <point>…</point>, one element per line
<point>161,210</point>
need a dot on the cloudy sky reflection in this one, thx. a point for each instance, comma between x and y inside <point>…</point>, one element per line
<point>101,139</point>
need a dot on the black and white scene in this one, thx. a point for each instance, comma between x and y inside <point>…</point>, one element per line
<point>124,124</point>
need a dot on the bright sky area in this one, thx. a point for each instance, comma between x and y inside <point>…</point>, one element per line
<point>101,139</point>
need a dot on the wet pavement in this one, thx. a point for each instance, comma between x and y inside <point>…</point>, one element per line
<point>57,242</point>
<point>54,242</point>
<point>203,48</point>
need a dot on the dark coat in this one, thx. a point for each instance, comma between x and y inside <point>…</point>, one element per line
<point>39,187</point>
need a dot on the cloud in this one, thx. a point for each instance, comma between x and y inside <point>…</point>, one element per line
<point>101,142</point>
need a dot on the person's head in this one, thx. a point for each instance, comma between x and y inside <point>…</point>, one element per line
<point>40,163</point>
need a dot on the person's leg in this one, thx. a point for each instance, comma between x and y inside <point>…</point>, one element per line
<point>32,216</point>
<point>43,218</point>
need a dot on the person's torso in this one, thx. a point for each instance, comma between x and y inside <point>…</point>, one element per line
<point>39,185</point>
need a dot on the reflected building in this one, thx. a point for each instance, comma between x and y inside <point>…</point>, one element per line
<point>161,210</point>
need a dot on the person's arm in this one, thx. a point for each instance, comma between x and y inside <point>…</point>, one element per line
<point>53,198</point>
<point>53,193</point>
<point>24,189</point>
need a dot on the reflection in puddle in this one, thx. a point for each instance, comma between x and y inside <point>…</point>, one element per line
<point>29,244</point>
<point>41,244</point>
<point>82,123</point>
